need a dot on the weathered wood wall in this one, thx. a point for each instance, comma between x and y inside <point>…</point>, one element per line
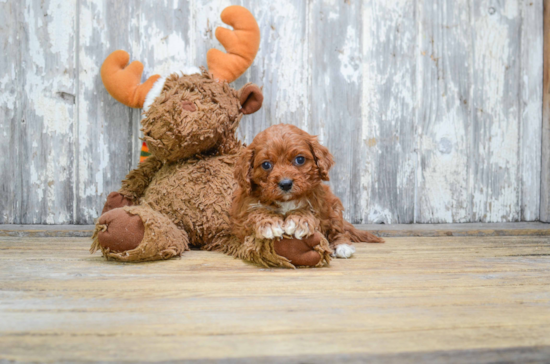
<point>545,168</point>
<point>432,108</point>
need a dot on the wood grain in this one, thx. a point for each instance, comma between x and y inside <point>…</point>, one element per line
<point>444,297</point>
<point>531,72</point>
<point>107,130</point>
<point>496,144</point>
<point>545,168</point>
<point>11,81</point>
<point>444,114</point>
<point>388,141</point>
<point>432,108</point>
<point>282,67</point>
<point>385,230</point>
<point>46,110</point>
<point>335,106</point>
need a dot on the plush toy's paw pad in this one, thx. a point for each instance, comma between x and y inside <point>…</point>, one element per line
<point>122,231</point>
<point>300,252</point>
<point>270,230</point>
<point>344,251</point>
<point>114,201</point>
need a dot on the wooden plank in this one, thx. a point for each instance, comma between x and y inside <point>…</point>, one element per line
<point>107,131</point>
<point>407,150</point>
<point>531,74</point>
<point>388,161</point>
<point>336,83</point>
<point>281,67</point>
<point>205,17</point>
<point>545,167</point>
<point>445,298</point>
<point>444,113</point>
<point>10,112</point>
<point>495,132</point>
<point>165,36</point>
<point>394,230</point>
<point>47,46</point>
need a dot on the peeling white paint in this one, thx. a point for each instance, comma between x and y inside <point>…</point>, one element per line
<point>289,77</point>
<point>7,99</point>
<point>414,119</point>
<point>350,58</point>
<point>62,19</point>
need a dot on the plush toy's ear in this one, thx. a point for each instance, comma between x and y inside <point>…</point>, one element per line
<point>323,158</point>
<point>251,98</point>
<point>241,44</point>
<point>124,83</point>
<point>243,169</point>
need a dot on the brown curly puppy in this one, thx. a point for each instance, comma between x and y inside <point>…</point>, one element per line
<point>281,192</point>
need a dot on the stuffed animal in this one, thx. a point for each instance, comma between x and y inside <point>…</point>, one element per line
<point>180,196</point>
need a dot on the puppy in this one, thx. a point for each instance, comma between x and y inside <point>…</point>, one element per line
<point>281,194</point>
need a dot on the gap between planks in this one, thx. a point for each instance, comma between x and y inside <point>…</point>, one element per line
<point>397,230</point>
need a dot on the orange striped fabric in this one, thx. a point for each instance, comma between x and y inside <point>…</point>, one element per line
<point>144,152</point>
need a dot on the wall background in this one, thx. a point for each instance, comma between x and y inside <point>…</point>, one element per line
<point>432,108</point>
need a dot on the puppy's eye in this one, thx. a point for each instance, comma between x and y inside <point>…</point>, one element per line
<point>299,160</point>
<point>266,165</point>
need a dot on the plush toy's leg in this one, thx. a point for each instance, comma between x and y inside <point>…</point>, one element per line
<point>116,200</point>
<point>138,234</point>
<point>313,251</point>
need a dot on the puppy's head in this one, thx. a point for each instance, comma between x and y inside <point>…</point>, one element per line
<point>283,163</point>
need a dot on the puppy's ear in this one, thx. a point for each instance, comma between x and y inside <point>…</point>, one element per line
<point>322,156</point>
<point>243,169</point>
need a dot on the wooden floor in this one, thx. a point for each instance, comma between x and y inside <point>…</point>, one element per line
<point>413,299</point>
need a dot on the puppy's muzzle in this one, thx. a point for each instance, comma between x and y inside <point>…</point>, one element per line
<point>285,184</point>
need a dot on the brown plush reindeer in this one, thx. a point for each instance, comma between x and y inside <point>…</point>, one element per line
<point>180,196</point>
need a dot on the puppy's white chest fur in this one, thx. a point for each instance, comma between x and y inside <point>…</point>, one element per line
<point>287,206</point>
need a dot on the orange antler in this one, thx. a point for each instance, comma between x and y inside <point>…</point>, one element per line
<point>124,83</point>
<point>241,44</point>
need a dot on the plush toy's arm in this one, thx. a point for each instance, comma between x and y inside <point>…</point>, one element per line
<point>138,179</point>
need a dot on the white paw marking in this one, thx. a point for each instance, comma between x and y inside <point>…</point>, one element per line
<point>344,251</point>
<point>289,227</point>
<point>270,231</point>
<point>302,231</point>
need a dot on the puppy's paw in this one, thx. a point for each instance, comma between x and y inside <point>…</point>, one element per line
<point>270,230</point>
<point>298,226</point>
<point>344,251</point>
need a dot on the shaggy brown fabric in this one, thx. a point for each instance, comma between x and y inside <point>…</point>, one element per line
<point>161,238</point>
<point>116,200</point>
<point>138,179</point>
<point>173,133</point>
<point>122,231</point>
<point>195,196</point>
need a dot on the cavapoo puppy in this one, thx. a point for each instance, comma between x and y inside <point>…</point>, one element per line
<point>281,194</point>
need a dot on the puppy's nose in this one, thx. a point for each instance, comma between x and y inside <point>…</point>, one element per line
<point>285,184</point>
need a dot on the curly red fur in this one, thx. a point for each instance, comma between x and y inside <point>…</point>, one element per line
<point>260,202</point>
